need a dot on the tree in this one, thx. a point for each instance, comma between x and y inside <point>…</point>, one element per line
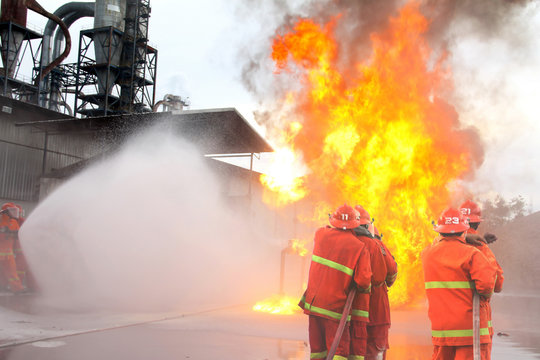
<point>499,211</point>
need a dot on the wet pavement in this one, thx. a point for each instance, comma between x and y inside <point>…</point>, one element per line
<point>231,333</point>
<point>516,319</point>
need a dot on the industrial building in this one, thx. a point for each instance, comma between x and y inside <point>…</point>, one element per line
<point>57,117</point>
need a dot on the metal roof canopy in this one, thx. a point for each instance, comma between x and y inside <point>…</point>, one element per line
<point>24,110</point>
<point>213,131</point>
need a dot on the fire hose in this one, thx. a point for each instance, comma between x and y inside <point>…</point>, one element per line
<point>476,325</point>
<point>342,323</point>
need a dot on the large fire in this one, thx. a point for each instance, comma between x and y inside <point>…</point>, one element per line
<point>378,134</point>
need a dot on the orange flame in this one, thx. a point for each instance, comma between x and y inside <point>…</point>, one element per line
<point>378,135</point>
<point>284,176</point>
<point>298,246</point>
<point>278,304</point>
<point>282,180</point>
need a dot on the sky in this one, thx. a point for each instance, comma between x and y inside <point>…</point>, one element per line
<point>498,84</point>
<point>204,47</point>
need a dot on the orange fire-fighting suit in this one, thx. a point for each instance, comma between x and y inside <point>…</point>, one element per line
<point>485,305</point>
<point>379,308</point>
<point>23,270</point>
<point>8,269</point>
<point>361,309</point>
<point>338,261</point>
<point>452,270</point>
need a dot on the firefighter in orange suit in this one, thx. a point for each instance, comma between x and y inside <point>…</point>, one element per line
<point>472,211</point>
<point>20,260</point>
<point>379,307</point>
<point>9,228</point>
<point>452,271</point>
<point>339,262</point>
<point>361,308</point>
<point>26,277</point>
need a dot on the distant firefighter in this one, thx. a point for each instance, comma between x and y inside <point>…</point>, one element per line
<point>339,263</point>
<point>20,260</point>
<point>472,211</point>
<point>453,271</point>
<point>25,275</point>
<point>9,228</point>
<point>361,312</point>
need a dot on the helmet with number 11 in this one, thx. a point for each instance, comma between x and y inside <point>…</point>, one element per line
<point>345,217</point>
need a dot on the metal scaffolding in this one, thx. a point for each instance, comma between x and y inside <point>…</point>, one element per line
<point>115,72</point>
<point>138,74</point>
<point>97,91</point>
<point>116,87</point>
<point>15,51</point>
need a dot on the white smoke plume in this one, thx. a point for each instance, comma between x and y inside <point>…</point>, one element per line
<point>147,228</point>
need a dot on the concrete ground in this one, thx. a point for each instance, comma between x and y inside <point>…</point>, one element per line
<point>29,331</point>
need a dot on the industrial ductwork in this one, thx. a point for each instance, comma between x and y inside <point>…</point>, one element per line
<point>16,11</point>
<point>115,65</point>
<point>69,13</point>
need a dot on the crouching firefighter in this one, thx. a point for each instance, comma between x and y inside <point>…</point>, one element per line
<point>339,263</point>
<point>453,271</point>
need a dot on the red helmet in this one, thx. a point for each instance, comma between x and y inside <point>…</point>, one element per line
<point>11,209</point>
<point>472,211</point>
<point>8,205</point>
<point>364,215</point>
<point>345,217</point>
<point>451,221</point>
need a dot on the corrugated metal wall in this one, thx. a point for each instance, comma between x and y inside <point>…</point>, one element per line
<point>22,155</point>
<point>20,168</point>
<point>64,150</point>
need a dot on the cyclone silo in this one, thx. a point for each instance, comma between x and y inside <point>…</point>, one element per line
<point>14,11</point>
<point>134,57</point>
<point>108,31</point>
<point>124,64</point>
<point>19,44</point>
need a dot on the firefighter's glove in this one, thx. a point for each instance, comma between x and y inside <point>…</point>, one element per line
<point>362,231</point>
<point>490,238</point>
<point>474,239</point>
